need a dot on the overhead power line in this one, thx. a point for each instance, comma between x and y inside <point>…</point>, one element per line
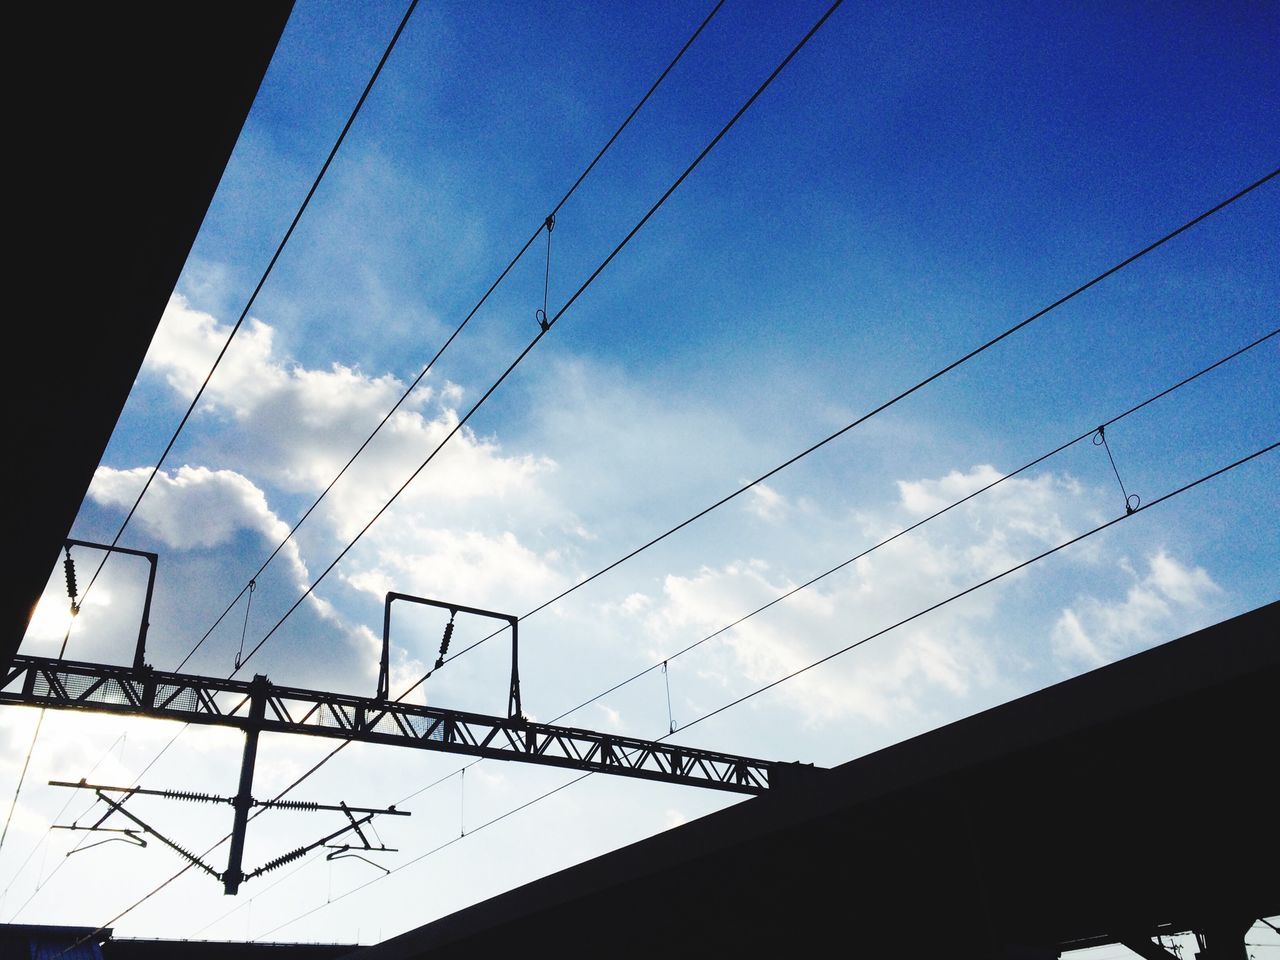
<point>542,332</point>
<point>22,866</point>
<point>881,408</point>
<point>990,580</point>
<point>817,663</point>
<point>426,369</point>
<point>964,359</point>
<point>885,542</point>
<point>547,325</point>
<point>333,152</point>
<point>545,225</point>
<point>244,313</point>
<point>931,517</point>
<point>1040,459</point>
<point>976,493</point>
<point>935,376</point>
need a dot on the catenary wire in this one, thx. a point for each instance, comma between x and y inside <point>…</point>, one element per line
<point>1078,290</point>
<point>546,328</point>
<point>258,288</point>
<point>249,900</point>
<point>769,686</point>
<point>57,816</point>
<point>542,332</point>
<point>1034,317</point>
<point>82,841</point>
<point>978,586</point>
<point>904,531</point>
<point>933,516</point>
<point>1038,460</point>
<point>1115,419</point>
<point>467,319</point>
<point>879,409</point>
<point>13,804</point>
<point>137,903</point>
<point>564,199</point>
<point>1098,529</point>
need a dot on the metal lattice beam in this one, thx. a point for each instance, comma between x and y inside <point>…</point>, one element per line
<point>55,684</point>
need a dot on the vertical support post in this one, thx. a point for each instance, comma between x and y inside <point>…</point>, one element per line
<point>513,700</point>
<point>234,873</point>
<point>384,665</point>
<point>140,653</point>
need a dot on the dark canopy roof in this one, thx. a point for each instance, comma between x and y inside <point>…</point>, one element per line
<point>1123,801</point>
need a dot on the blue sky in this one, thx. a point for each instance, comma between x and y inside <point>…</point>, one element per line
<point>914,183</point>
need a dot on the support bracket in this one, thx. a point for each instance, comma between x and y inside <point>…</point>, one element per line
<point>514,711</point>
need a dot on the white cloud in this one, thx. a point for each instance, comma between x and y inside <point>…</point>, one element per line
<point>1093,632</point>
<point>767,503</point>
<point>295,427</point>
<point>612,718</point>
<point>494,571</point>
<point>947,656</point>
<point>192,507</point>
<point>923,497</point>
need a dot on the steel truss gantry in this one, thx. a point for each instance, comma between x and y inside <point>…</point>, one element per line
<point>259,706</point>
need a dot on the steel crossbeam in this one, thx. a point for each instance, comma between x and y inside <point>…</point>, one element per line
<point>64,684</point>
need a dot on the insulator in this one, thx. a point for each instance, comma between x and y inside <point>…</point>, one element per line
<point>187,853</point>
<point>69,567</point>
<point>444,643</point>
<point>196,796</point>
<point>281,861</point>
<point>292,804</point>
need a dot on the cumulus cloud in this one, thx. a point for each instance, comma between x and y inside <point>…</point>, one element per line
<point>1170,594</point>
<point>904,674</point>
<point>295,426</point>
<point>272,427</point>
<point>192,507</point>
<point>897,676</point>
<point>470,566</point>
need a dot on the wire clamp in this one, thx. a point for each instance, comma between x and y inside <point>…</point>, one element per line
<point>541,314</point>
<point>1131,500</point>
<point>253,585</point>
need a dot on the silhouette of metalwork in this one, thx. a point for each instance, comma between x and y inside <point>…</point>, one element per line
<point>259,705</point>
<point>234,875</point>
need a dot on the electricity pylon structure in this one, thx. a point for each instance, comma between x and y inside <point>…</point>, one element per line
<point>258,705</point>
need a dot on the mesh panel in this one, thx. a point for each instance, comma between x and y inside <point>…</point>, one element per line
<point>325,718</point>
<point>185,700</point>
<point>76,685</point>
<point>113,691</point>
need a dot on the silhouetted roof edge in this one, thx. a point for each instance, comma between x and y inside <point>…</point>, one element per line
<point>1217,655</point>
